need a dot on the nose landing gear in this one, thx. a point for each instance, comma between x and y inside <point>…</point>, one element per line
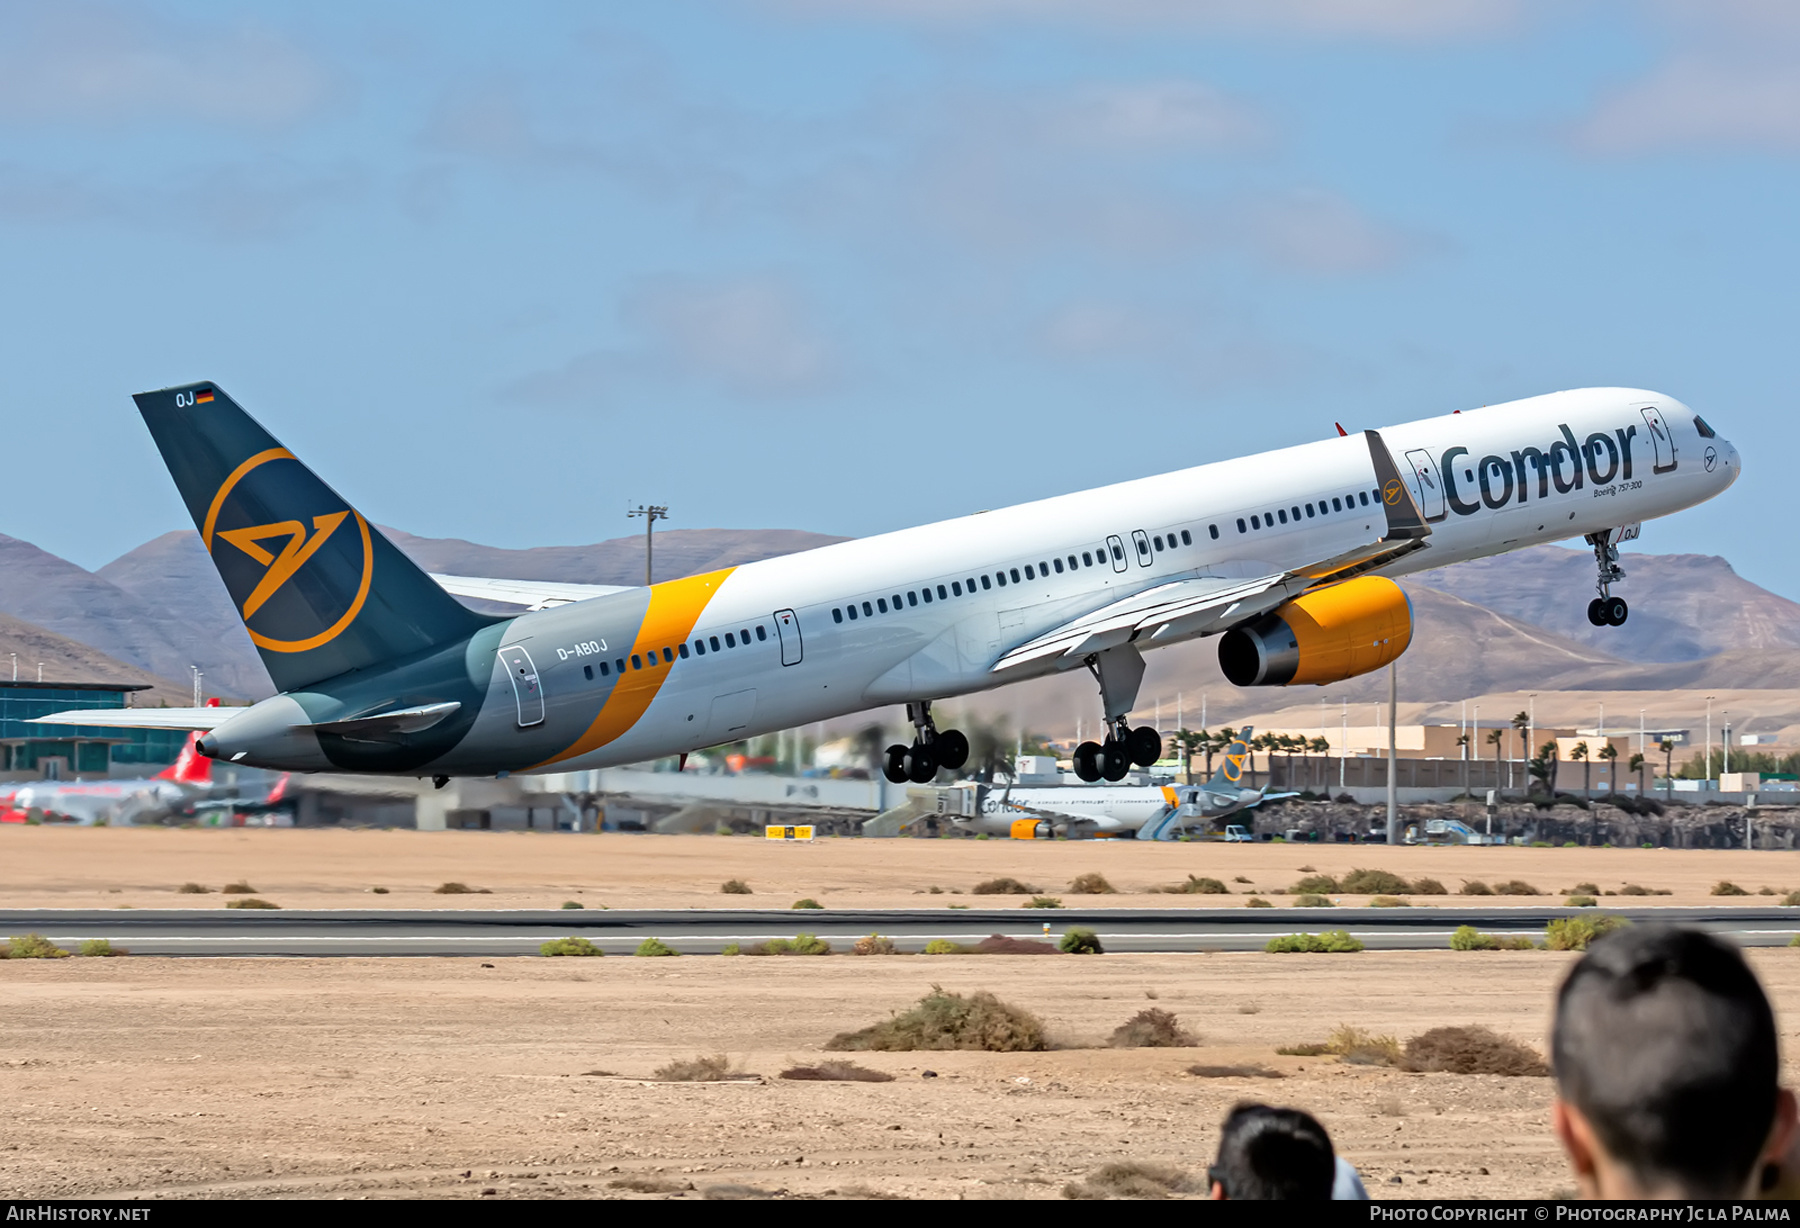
<point>930,750</point>
<point>1607,610</point>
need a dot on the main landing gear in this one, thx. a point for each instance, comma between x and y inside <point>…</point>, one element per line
<point>1118,671</point>
<point>930,750</point>
<point>1607,610</point>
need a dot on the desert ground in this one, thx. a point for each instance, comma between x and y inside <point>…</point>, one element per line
<point>50,867</point>
<point>460,1077</point>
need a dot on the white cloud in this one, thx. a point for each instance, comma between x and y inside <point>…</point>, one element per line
<point>1320,232</point>
<point>752,336</point>
<point>1160,115</point>
<point>1399,20</point>
<point>118,64</point>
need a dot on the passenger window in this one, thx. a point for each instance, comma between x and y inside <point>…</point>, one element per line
<point>985,583</point>
<point>713,640</point>
<point>1029,575</point>
<point>1187,539</point>
<point>1157,541</point>
<point>1240,524</point>
<point>970,582</point>
<point>837,615</point>
<point>589,671</point>
<point>700,645</point>
<point>868,610</point>
<point>620,664</point>
<point>636,661</point>
<point>682,649</point>
<point>1283,513</point>
<point>1365,497</point>
<point>942,596</point>
<point>761,635</point>
<point>1072,563</point>
<point>1337,504</point>
<point>1309,511</point>
<point>604,671</point>
<point>729,641</point>
<point>1059,566</point>
<point>1043,568</point>
<point>1256,522</point>
<point>1087,559</point>
<point>881,604</point>
<point>956,587</point>
<point>1015,575</point>
<point>1296,512</point>
<point>852,619</point>
<point>1214,529</point>
<point>912,598</point>
<point>924,592</point>
<point>744,635</point>
<point>1118,553</point>
<point>1000,577</point>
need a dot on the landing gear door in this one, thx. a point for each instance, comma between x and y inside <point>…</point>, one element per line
<point>1427,485</point>
<point>1660,439</point>
<point>1141,540</point>
<point>1116,549</point>
<point>787,627</point>
<point>528,691</point>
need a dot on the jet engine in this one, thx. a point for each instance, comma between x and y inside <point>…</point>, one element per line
<point>1326,635</point>
<point>1030,829</point>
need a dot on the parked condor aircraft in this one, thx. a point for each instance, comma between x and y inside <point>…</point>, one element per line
<point>1286,556</point>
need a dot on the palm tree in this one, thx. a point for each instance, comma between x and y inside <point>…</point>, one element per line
<point>1494,740</point>
<point>1548,756</point>
<point>1579,753</point>
<point>1462,743</point>
<point>1322,748</point>
<point>1610,753</point>
<point>1637,765</point>
<point>1667,746</point>
<point>1185,743</point>
<point>1521,722</point>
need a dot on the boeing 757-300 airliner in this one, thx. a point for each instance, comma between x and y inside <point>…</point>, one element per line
<point>1286,556</point>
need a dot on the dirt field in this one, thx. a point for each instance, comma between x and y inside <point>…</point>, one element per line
<point>470,1077</point>
<point>46,867</point>
<point>149,1077</point>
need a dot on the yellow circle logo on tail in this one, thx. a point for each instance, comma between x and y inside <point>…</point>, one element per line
<point>1391,493</point>
<point>268,554</point>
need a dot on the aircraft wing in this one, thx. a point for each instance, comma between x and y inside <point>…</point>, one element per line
<point>142,718</point>
<point>532,594</point>
<point>1199,605</point>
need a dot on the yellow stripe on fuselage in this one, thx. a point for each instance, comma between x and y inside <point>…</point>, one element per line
<point>675,606</point>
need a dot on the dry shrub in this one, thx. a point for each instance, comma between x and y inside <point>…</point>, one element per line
<point>799,944</point>
<point>1471,1049</point>
<point>1389,901</point>
<point>1316,884</point>
<point>101,948</point>
<point>1514,886</point>
<point>1361,1048</point>
<point>449,889</point>
<point>944,1020</point>
<point>569,946</point>
<point>1581,901</point>
<point>873,944</point>
<point>1312,901</point>
<point>1256,901</point>
<point>1428,886</point>
<point>240,887</point>
<point>734,886</point>
<point>808,902</point>
<point>1306,1050</point>
<point>1583,889</point>
<point>1003,886</point>
<point>732,1191</point>
<point>192,889</point>
<point>1091,884</point>
<point>1000,944</point>
<point>1635,889</point>
<point>1474,886</point>
<point>1042,901</point>
<point>31,946</point>
<point>1134,1181</point>
<point>650,1185</point>
<point>702,1069</point>
<point>1580,932</point>
<point>1374,882</point>
<point>1330,942</point>
<point>1197,884</point>
<point>837,1071</point>
<point>1791,899</point>
<point>1079,941</point>
<point>1248,1071</point>
<point>655,948</point>
<point>1726,887</point>
<point>943,946</point>
<point>1468,938</point>
<point>1240,879</point>
<point>251,902</point>
<point>1151,1028</point>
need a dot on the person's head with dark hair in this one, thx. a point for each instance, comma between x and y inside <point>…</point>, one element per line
<point>1269,1153</point>
<point>1667,1069</point>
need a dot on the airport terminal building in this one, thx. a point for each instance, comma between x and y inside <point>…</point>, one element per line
<point>61,752</point>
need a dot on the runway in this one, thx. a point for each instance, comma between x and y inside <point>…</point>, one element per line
<point>364,932</point>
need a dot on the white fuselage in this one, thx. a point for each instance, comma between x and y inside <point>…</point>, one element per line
<point>1489,480</point>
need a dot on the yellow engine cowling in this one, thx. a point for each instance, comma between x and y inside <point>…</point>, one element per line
<point>1030,829</point>
<point>1326,635</point>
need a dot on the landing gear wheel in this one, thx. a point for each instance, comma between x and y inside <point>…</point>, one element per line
<point>1597,613</point>
<point>952,749</point>
<point>921,764</point>
<point>894,765</point>
<point>1144,746</point>
<point>1114,761</point>
<point>1617,611</point>
<point>1087,762</point>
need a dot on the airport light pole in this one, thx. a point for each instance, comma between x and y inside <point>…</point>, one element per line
<point>1708,781</point>
<point>1393,809</point>
<point>651,514</point>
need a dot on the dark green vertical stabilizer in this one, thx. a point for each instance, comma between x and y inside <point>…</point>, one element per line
<point>319,588</point>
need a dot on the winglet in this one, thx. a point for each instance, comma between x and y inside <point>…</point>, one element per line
<point>1404,520</point>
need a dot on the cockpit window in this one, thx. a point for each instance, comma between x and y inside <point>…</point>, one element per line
<point>1706,432</point>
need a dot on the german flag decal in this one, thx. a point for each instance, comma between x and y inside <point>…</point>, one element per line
<point>203,396</point>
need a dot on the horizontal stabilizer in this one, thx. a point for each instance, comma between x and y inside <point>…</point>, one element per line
<point>532,594</point>
<point>142,718</point>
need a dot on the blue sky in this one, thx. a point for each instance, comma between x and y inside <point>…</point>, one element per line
<point>847,265</point>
